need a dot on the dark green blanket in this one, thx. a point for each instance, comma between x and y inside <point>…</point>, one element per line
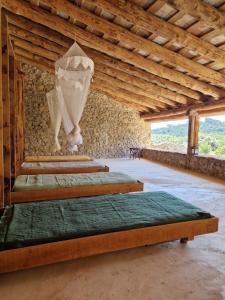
<point>42,222</point>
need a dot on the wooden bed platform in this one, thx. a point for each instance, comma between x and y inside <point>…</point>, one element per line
<point>34,234</point>
<point>33,168</point>
<point>34,256</point>
<point>50,158</point>
<point>106,183</point>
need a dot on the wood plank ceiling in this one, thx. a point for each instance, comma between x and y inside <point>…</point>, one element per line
<point>155,56</point>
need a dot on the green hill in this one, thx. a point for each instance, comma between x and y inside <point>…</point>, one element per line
<point>208,126</point>
<point>211,137</point>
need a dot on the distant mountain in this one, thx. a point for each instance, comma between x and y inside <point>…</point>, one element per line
<point>212,125</point>
<point>208,126</point>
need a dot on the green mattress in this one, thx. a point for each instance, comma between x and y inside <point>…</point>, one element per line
<point>62,164</point>
<point>42,222</point>
<point>54,181</point>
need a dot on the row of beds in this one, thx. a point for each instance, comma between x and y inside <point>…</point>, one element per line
<point>62,210</point>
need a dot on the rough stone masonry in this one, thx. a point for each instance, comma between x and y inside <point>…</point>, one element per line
<point>109,128</point>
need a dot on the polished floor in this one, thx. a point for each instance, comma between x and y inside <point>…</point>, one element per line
<point>170,271</point>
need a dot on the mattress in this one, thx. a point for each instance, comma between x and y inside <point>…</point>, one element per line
<point>62,164</point>
<point>42,222</point>
<point>58,158</point>
<point>54,181</point>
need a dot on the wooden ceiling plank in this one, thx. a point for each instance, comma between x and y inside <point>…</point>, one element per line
<point>33,62</point>
<point>88,39</point>
<point>31,56</point>
<point>35,2</point>
<point>119,33</point>
<point>35,49</point>
<point>147,88</point>
<point>144,87</point>
<point>220,105</point>
<point>40,30</point>
<point>51,70</point>
<point>37,40</point>
<point>202,10</point>
<point>97,87</point>
<point>121,92</point>
<point>47,65</point>
<point>152,23</point>
<point>182,94</point>
<point>135,93</point>
<point>98,57</point>
<point>163,94</point>
<point>156,6</point>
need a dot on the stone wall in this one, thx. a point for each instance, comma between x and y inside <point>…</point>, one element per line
<point>108,127</point>
<point>205,165</point>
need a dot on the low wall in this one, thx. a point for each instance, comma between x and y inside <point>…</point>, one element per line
<point>205,165</point>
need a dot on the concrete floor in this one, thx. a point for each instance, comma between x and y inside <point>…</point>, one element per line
<point>170,271</point>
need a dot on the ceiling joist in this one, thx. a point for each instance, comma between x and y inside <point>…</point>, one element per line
<point>145,56</point>
<point>90,40</point>
<point>125,90</point>
<point>146,80</point>
<point>201,107</point>
<point>148,88</point>
<point>201,10</point>
<point>149,22</point>
<point>121,34</point>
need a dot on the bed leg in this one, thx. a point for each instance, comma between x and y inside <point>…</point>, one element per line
<point>186,239</point>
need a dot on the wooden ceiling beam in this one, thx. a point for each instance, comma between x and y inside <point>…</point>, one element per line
<point>211,105</point>
<point>151,23</point>
<point>40,30</point>
<point>146,90</point>
<point>90,40</point>
<point>33,62</point>
<point>116,65</point>
<point>201,10</point>
<point>32,52</point>
<point>122,93</point>
<point>48,65</point>
<point>137,42</point>
<point>140,86</point>
<point>51,70</point>
<point>39,61</point>
<point>161,94</point>
<point>130,104</point>
<point>35,49</point>
<point>212,112</point>
<point>34,2</point>
<point>182,94</point>
<point>36,40</point>
<point>140,95</point>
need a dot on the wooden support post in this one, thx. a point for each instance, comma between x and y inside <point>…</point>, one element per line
<point>1,124</point>
<point>19,120</point>
<point>193,129</point>
<point>12,114</point>
<point>6,110</point>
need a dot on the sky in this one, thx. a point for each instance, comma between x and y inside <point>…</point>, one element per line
<point>164,124</point>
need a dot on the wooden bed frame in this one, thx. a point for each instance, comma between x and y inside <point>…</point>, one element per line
<point>49,253</point>
<point>78,191</point>
<point>54,158</point>
<point>36,171</point>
